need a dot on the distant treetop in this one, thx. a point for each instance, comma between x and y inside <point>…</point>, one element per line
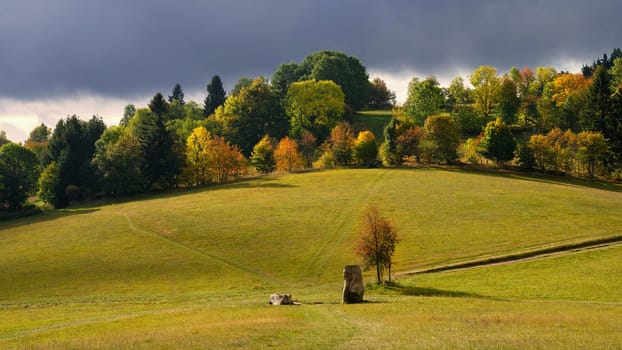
<point>346,71</point>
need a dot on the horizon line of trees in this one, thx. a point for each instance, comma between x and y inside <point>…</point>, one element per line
<point>173,143</point>
<point>504,119</point>
<point>542,119</point>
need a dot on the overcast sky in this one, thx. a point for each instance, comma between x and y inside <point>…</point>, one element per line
<point>88,57</point>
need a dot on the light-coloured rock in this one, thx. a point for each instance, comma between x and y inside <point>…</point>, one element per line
<point>280,299</point>
<point>353,287</point>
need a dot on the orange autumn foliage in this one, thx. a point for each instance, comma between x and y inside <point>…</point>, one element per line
<point>287,156</point>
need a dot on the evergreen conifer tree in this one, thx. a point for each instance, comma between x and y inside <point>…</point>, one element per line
<point>178,95</point>
<point>216,96</point>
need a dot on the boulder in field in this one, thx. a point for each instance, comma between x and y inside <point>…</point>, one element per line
<point>353,287</point>
<point>280,299</point>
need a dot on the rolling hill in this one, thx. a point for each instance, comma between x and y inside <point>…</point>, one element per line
<point>194,268</point>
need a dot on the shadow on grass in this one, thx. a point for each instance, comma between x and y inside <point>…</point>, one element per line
<point>533,176</point>
<point>253,182</point>
<point>397,288</point>
<point>91,205</point>
<point>546,178</point>
<point>46,215</point>
<point>365,301</point>
<point>263,182</point>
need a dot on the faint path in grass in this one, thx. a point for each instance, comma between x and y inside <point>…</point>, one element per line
<point>522,256</point>
<point>14,335</point>
<point>318,259</point>
<point>193,250</point>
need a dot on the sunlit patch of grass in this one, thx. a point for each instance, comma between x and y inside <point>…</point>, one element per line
<point>586,276</point>
<point>374,121</point>
<point>467,323</point>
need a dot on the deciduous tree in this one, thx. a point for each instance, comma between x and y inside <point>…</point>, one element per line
<point>346,71</point>
<point>441,139</point>
<point>342,144</point>
<point>376,245</point>
<point>365,148</point>
<point>570,97</point>
<point>308,145</point>
<point>316,106</point>
<point>554,151</point>
<point>401,139</point>
<point>525,79</point>
<point>254,112</point>
<point>425,98</point>
<point>543,89</point>
<point>40,133</point>
<point>287,156</point>
<point>227,163</point>
<point>243,82</point>
<point>262,157</point>
<point>457,95</point>
<point>212,159</point>
<point>50,186</point>
<point>509,102</point>
<point>199,153</point>
<point>18,175</point>
<point>284,75</point>
<point>38,143</point>
<point>485,84</point>
<point>592,150</point>
<point>497,143</point>
<point>381,97</point>
<point>119,160</point>
<point>566,85</point>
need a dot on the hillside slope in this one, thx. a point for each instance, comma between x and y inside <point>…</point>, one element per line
<point>293,229</point>
<point>190,269</point>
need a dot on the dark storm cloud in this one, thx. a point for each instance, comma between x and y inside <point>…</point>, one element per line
<point>123,48</point>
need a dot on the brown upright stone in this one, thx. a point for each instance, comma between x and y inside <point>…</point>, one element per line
<point>353,287</point>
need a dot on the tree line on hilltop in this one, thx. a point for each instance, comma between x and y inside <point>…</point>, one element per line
<point>300,118</point>
<point>533,119</point>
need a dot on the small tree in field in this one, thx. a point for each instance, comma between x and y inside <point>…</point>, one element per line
<point>376,246</point>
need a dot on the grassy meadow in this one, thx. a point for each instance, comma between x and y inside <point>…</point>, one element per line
<point>374,121</point>
<point>194,268</point>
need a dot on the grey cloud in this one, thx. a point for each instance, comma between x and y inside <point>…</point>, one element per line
<point>131,48</point>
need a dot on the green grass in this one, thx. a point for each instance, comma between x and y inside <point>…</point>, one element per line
<point>586,276</point>
<point>194,268</point>
<point>374,121</point>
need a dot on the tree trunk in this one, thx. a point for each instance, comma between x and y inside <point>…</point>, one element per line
<point>379,278</point>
